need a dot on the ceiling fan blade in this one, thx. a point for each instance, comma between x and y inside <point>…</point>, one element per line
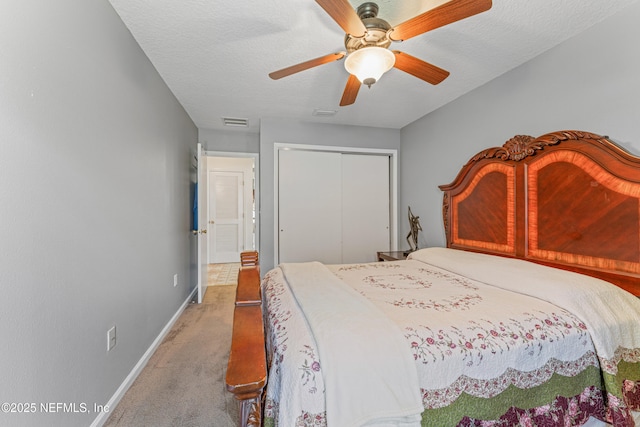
<point>418,68</point>
<point>350,91</point>
<point>306,65</point>
<point>345,15</point>
<point>447,13</point>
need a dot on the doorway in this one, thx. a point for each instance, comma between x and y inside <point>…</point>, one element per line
<point>231,206</point>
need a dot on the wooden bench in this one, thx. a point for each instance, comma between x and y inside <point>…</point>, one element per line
<point>248,258</point>
<point>247,366</point>
<point>248,290</point>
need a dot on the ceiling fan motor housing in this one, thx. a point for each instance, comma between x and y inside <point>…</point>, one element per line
<point>367,10</point>
<point>377,29</point>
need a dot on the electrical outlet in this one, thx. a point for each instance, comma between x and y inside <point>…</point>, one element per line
<point>111,338</point>
<point>175,280</point>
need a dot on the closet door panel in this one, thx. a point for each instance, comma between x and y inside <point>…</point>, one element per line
<point>365,207</point>
<point>309,211</point>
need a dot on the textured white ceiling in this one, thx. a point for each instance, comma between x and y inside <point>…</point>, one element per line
<point>215,55</point>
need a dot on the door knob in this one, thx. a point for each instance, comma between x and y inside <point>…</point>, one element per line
<point>204,231</point>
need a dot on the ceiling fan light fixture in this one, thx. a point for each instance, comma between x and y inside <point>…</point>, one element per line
<point>368,64</point>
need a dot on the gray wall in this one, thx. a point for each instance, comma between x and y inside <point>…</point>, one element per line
<point>294,132</point>
<point>95,202</point>
<point>588,83</point>
<point>233,140</point>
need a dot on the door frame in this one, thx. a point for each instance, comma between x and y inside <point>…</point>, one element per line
<point>393,184</point>
<point>256,180</point>
<point>202,257</point>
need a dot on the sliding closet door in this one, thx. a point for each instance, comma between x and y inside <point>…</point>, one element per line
<point>309,206</point>
<point>365,207</point>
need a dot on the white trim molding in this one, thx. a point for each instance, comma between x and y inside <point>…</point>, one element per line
<point>393,183</point>
<point>103,416</point>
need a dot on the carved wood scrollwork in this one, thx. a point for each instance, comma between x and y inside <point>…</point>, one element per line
<point>445,216</point>
<point>522,146</point>
<point>255,414</point>
<point>251,412</point>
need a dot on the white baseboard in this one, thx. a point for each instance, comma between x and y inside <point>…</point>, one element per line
<point>103,416</point>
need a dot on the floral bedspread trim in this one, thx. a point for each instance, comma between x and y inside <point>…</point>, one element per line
<point>310,369</point>
<point>561,412</point>
<point>621,376</point>
<point>277,318</point>
<point>463,302</point>
<point>489,388</point>
<point>374,266</point>
<point>481,338</point>
<point>307,419</point>
<point>304,419</point>
<point>631,394</point>
<point>270,412</point>
<point>626,381</point>
<point>426,278</point>
<point>631,355</point>
<point>549,402</point>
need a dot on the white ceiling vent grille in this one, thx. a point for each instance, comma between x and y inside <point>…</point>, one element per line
<point>236,122</point>
<point>323,113</point>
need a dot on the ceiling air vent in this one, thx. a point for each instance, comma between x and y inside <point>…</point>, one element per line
<point>323,113</point>
<point>232,121</point>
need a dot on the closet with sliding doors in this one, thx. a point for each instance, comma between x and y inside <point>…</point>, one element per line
<point>333,207</point>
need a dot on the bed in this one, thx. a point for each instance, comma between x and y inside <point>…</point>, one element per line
<point>529,317</point>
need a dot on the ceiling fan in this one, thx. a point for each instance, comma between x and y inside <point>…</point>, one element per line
<point>368,38</point>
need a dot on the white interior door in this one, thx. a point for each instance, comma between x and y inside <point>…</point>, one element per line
<point>226,220</point>
<point>309,213</point>
<point>202,224</point>
<point>365,207</point>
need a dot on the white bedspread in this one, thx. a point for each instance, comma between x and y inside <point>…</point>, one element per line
<point>483,343</point>
<point>611,314</point>
<point>369,373</point>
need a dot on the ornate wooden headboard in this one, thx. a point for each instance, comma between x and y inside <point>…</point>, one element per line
<point>569,199</point>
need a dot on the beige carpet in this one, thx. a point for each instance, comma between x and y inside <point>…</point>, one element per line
<point>183,385</point>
